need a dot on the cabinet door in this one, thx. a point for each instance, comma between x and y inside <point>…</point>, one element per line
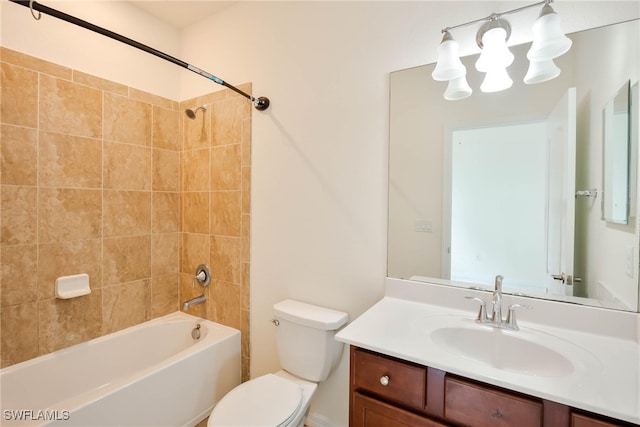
<point>368,412</point>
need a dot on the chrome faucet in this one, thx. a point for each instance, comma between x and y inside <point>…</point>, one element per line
<point>193,301</point>
<point>496,312</point>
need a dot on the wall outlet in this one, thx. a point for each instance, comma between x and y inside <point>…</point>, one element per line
<point>423,226</point>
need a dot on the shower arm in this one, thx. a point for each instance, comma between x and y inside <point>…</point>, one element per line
<point>261,103</point>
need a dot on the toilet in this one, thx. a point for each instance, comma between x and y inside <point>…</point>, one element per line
<point>308,354</point>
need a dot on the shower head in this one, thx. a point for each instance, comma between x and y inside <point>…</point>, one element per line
<point>191,113</point>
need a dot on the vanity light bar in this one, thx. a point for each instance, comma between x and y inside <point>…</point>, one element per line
<point>549,42</point>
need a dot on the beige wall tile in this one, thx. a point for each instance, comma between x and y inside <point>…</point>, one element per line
<point>66,259</point>
<point>166,170</point>
<point>126,305</point>
<point>246,190</point>
<point>166,212</point>
<point>63,323</point>
<point>225,213</point>
<point>227,297</point>
<point>19,94</point>
<point>246,234</point>
<point>19,217</point>
<point>126,259</point>
<point>19,333</point>
<point>164,294</point>
<point>225,259</point>
<point>69,161</point>
<point>225,167</point>
<point>245,282</point>
<point>99,83</point>
<point>195,170</point>
<point>126,120</point>
<point>70,108</point>
<point>18,155</point>
<point>196,132</point>
<point>195,212</point>
<point>149,98</point>
<point>166,129</point>
<point>165,255</point>
<point>126,166</point>
<point>126,213</point>
<point>246,141</point>
<point>16,287</point>
<point>36,64</point>
<point>228,116</point>
<point>69,214</point>
<point>194,250</point>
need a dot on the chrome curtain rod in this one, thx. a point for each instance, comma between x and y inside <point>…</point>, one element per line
<point>495,16</point>
<point>260,103</point>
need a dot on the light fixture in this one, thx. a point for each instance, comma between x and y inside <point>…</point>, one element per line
<point>495,57</point>
<point>548,39</point>
<point>449,65</point>
<point>541,71</point>
<point>549,42</point>
<point>458,88</point>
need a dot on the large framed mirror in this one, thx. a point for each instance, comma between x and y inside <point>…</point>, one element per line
<point>511,183</point>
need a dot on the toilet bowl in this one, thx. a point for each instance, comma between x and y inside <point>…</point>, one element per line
<point>308,354</point>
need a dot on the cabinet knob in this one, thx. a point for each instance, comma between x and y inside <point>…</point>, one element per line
<point>384,380</point>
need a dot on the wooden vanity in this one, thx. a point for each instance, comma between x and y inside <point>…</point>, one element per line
<point>388,392</point>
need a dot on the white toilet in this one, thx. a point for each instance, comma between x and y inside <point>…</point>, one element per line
<point>308,353</point>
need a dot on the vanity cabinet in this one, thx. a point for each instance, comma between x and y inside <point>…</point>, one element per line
<point>390,392</point>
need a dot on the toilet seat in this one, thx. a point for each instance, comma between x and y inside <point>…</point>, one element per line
<point>269,400</point>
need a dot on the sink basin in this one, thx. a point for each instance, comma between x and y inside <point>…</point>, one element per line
<point>503,350</point>
<point>526,352</point>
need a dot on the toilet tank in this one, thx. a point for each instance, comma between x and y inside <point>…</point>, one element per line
<point>305,338</point>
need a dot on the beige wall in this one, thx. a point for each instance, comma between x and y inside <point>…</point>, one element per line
<point>92,182</point>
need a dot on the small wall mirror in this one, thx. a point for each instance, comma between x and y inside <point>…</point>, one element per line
<point>616,167</point>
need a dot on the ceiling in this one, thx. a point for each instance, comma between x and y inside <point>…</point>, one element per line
<point>181,14</point>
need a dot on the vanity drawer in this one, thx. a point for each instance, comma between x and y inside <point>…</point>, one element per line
<point>472,404</point>
<point>390,379</point>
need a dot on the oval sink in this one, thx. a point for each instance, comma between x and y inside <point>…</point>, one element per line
<point>505,350</point>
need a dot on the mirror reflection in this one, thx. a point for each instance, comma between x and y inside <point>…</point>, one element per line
<point>511,183</point>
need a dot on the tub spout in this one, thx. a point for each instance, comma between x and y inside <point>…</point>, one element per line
<point>193,301</point>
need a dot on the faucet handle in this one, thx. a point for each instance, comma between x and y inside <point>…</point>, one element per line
<point>482,313</point>
<point>511,316</point>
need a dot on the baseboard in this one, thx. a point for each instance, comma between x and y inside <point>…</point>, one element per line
<point>317,420</point>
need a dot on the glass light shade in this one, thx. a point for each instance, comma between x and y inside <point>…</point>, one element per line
<point>458,88</point>
<point>541,71</point>
<point>548,39</point>
<point>495,53</point>
<point>496,80</point>
<point>449,65</point>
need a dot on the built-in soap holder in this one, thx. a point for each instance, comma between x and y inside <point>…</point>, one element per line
<point>72,286</point>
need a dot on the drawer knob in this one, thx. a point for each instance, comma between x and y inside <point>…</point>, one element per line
<point>384,380</point>
<point>497,414</point>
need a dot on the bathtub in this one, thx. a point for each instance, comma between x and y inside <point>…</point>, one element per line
<point>152,374</point>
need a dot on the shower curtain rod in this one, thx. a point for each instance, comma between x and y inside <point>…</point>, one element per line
<point>260,103</point>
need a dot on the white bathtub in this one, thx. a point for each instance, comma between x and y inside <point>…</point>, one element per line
<point>152,374</point>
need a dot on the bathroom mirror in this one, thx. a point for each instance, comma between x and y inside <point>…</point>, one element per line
<point>525,207</point>
<point>615,176</point>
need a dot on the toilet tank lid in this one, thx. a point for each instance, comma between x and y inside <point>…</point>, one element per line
<point>310,315</point>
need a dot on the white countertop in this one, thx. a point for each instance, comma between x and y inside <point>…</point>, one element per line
<point>397,326</point>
